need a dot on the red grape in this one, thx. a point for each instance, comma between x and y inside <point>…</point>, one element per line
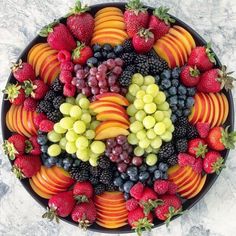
<point>95,90</point>
<point>104,90</point>
<point>121,139</point>
<point>80,74</point>
<point>117,150</point>
<point>122,167</point>
<point>112,79</point>
<point>92,82</point>
<point>115,89</point>
<point>102,68</point>
<point>102,83</point>
<point>119,62</point>
<point>86,91</point>
<point>111,63</point>
<point>117,70</point>
<point>137,161</point>
<point>113,157</point>
<point>93,71</point>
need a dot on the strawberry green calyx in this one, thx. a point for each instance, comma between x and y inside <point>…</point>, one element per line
<point>16,66</point>
<point>9,150</point>
<point>172,212</point>
<point>141,225</point>
<point>228,138</point>
<point>145,33</point>
<point>194,72</point>
<point>84,223</point>
<point>162,14</point>
<point>12,91</point>
<point>201,150</point>
<point>81,198</point>
<point>51,214</point>
<point>218,165</point>
<point>211,55</point>
<point>150,205</point>
<point>76,52</point>
<point>29,88</point>
<point>44,32</point>
<point>78,9</point>
<point>28,146</point>
<point>225,78</point>
<point>136,6</point>
<point>17,171</point>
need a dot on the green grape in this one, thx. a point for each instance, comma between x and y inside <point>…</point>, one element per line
<point>156,143</point>
<point>149,122</point>
<point>57,127</point>
<point>167,136</point>
<point>147,98</point>
<point>54,136</point>
<point>138,104</point>
<point>155,150</point>
<point>71,148</point>
<point>160,98</point>
<point>144,87</point>
<point>152,89</point>
<point>148,149</point>
<point>83,154</point>
<point>131,110</point>
<point>140,94</point>
<point>164,106</point>
<point>70,100</point>
<point>130,97</point>
<point>138,151</point>
<point>84,103</point>
<point>171,128</point>
<point>151,134</point>
<point>54,150</point>
<point>71,136</point>
<point>141,134</point>
<point>136,126</point>
<point>78,97</point>
<point>132,139</point>
<point>167,122</point>
<point>93,155</point>
<point>98,147</point>
<point>150,108</point>
<point>167,113</point>
<point>79,127</point>
<point>67,122</point>
<point>140,115</point>
<point>90,134</point>
<point>75,112</point>
<point>65,108</point>
<point>149,80</point>
<point>86,118</point>
<point>81,142</point>
<point>151,159</point>
<point>144,143</point>
<point>93,161</point>
<point>94,124</point>
<point>62,143</point>
<point>132,119</point>
<point>87,126</point>
<point>159,128</point>
<point>137,79</point>
<point>159,116</point>
<point>133,89</point>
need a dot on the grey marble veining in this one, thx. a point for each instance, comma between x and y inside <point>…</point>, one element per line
<point>214,215</point>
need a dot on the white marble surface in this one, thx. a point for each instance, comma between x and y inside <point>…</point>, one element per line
<point>20,215</point>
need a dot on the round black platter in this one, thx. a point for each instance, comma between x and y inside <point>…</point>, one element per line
<point>187,204</point>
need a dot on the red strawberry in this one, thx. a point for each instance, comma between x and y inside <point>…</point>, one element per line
<point>26,166</point>
<point>172,189</point>
<point>84,214</point>
<point>203,129</point>
<point>36,89</point>
<point>143,41</point>
<point>220,138</point>
<point>58,36</point>
<point>69,90</point>
<point>202,57</point>
<point>30,104</point>
<point>161,186</point>
<point>32,146</point>
<point>197,147</point>
<point>15,94</point>
<point>136,17</point>
<point>81,23</point>
<point>137,191</point>
<point>67,65</point>
<point>15,145</point>
<point>66,77</point>
<point>190,76</point>
<point>81,54</point>
<point>213,162</point>
<point>159,22</point>
<point>131,204</point>
<point>148,194</point>
<point>198,165</point>
<point>23,71</point>
<point>46,126</point>
<point>139,221</point>
<point>63,56</point>
<point>214,80</point>
<point>38,118</point>
<point>83,191</point>
<point>60,204</point>
<point>185,159</point>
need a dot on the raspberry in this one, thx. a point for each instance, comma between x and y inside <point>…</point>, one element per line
<point>30,104</point>
<point>63,56</point>
<point>65,76</point>
<point>46,126</point>
<point>137,191</point>
<point>172,189</point>
<point>203,129</point>
<point>198,165</point>
<point>131,204</point>
<point>67,65</point>
<point>161,186</point>
<point>40,117</point>
<point>69,90</point>
<point>185,159</point>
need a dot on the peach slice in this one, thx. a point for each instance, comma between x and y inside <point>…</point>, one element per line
<point>110,123</point>
<point>38,191</point>
<point>34,51</point>
<point>198,109</point>
<point>118,217</point>
<point>187,186</point>
<point>26,121</point>
<point>111,31</point>
<point>216,109</point>
<point>51,174</point>
<point>40,53</point>
<point>102,108</point>
<point>7,122</point>
<point>108,9</point>
<point>188,179</point>
<point>15,121</point>
<point>20,122</point>
<point>105,14</point>
<point>62,174</point>
<point>53,75</point>
<point>113,195</point>
<point>99,103</point>
<point>176,172</point>
<point>181,179</point>
<point>108,18</point>
<point>226,105</point>
<point>193,189</point>
<point>104,201</point>
<point>205,106</point>
<point>30,122</point>
<point>110,40</point>
<point>113,97</point>
<point>111,225</point>
<point>111,24</point>
<point>50,70</point>
<point>111,132</point>
<point>50,60</point>
<point>112,209</point>
<point>211,109</point>
<point>109,221</point>
<point>221,108</point>
<point>108,35</point>
<point>9,118</point>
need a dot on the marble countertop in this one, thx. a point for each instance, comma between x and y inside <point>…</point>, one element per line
<point>214,215</point>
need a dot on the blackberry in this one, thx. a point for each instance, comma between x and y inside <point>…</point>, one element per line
<point>128,46</point>
<point>179,132</point>
<point>78,174</point>
<point>56,85</point>
<point>99,189</point>
<point>125,78</point>
<point>104,162</point>
<point>142,68</point>
<point>172,160</point>
<point>127,58</point>
<point>84,166</point>
<point>50,95</point>
<point>166,150</point>
<point>93,180</point>
<point>181,145</point>
<point>44,106</point>
<point>131,68</point>
<point>191,132</point>
<point>106,177</point>
<point>54,116</point>
<point>140,59</point>
<point>111,188</point>
<point>57,101</point>
<point>151,54</point>
<point>95,171</point>
<point>182,121</point>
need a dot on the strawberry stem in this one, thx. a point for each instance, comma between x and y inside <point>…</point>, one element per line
<point>149,205</point>
<point>136,6</point>
<point>142,224</point>
<point>51,214</point>
<point>81,198</point>
<point>201,150</point>
<point>9,150</point>
<point>162,14</point>
<point>211,55</point>
<point>218,165</point>
<point>84,223</point>
<point>77,9</point>
<point>17,171</point>
<point>228,138</point>
<point>12,91</point>
<point>225,79</point>
<point>145,33</point>
<point>44,32</point>
<point>194,72</point>
<point>172,212</point>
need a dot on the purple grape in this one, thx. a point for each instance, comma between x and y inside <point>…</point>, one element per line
<point>122,167</point>
<point>102,68</point>
<point>130,149</point>
<point>95,90</point>
<point>112,79</point>
<point>137,161</point>
<point>86,91</point>
<point>124,155</point>
<point>115,89</point>
<point>93,71</point>
<point>92,82</point>
<point>127,161</point>
<point>102,83</point>
<point>113,158</point>
<point>77,67</point>
<point>80,74</point>
<point>117,150</point>
<point>104,90</point>
<point>117,70</point>
<point>119,62</point>
<point>111,64</point>
<point>121,139</point>
<point>111,142</point>
<point>100,75</point>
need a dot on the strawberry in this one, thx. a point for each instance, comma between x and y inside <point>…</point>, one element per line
<point>63,56</point>
<point>131,204</point>
<point>139,221</point>
<point>15,145</point>
<point>137,191</point>
<point>203,129</point>
<point>58,36</point>
<point>38,118</point>
<point>46,126</point>
<point>202,57</point>
<point>84,214</point>
<point>143,41</point>
<point>171,206</point>
<point>135,17</point>
<point>83,191</point>
<point>148,194</point>
<point>30,104</point>
<point>32,146</point>
<point>80,23</point>
<point>213,162</point>
<point>190,76</point>
<point>81,54</point>
<point>36,89</point>
<point>159,22</point>
<point>185,159</point>
<point>67,65</point>
<point>197,147</point>
<point>15,94</point>
<point>26,166</point>
<point>65,77</point>
<point>198,165</point>
<point>69,90</point>
<point>214,80</point>
<point>172,189</point>
<point>23,71</point>
<point>220,138</point>
<point>60,204</point>
<point>161,186</point>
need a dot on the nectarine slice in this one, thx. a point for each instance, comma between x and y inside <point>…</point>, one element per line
<point>221,108</point>
<point>110,221</point>
<point>178,174</point>
<point>113,209</point>
<point>38,191</point>
<point>110,40</point>
<point>108,18</point>
<point>104,201</point>
<point>53,75</point>
<point>216,109</point>
<point>205,108</point>
<point>30,122</point>
<point>39,54</point>
<point>51,174</point>
<point>15,121</point>
<point>188,185</point>
<point>50,60</point>
<point>111,132</point>
<point>226,106</point>
<point>113,97</point>
<point>211,109</point>
<point>114,115</point>
<point>178,181</point>
<point>199,112</point>
<point>25,121</point>
<point>193,189</point>
<point>20,122</point>
<point>100,103</point>
<point>7,122</point>
<point>62,174</point>
<point>113,195</point>
<point>108,9</point>
<point>118,217</point>
<point>111,31</point>
<point>105,14</point>
<point>9,119</point>
<point>112,108</point>
<point>108,35</point>
<point>111,225</point>
<point>111,24</point>
<point>50,70</point>
<point>34,51</point>
<point>110,123</point>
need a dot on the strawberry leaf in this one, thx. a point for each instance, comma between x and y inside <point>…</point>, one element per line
<point>141,225</point>
<point>162,14</point>
<point>228,138</point>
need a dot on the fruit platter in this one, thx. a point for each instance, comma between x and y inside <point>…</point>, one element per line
<point>118,117</point>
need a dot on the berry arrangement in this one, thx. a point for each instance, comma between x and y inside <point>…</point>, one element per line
<point>117,117</point>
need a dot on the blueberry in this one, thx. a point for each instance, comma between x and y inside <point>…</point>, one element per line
<point>128,185</point>
<point>150,182</point>
<point>191,91</point>
<point>118,181</point>
<point>189,102</point>
<point>151,169</point>
<point>179,113</point>
<point>143,176</point>
<point>40,132</point>
<point>186,112</point>
<point>44,148</point>
<point>166,74</point>
<point>42,139</point>
<point>143,167</point>
<point>104,54</point>
<point>173,100</point>
<point>163,167</point>
<point>175,82</point>
<point>173,118</point>
<point>157,174</point>
<point>44,156</point>
<point>98,55</point>
<point>181,103</point>
<point>182,90</point>
<point>157,79</point>
<point>117,173</point>
<point>60,162</point>
<point>66,167</point>
<point>173,108</point>
<point>124,176</point>
<point>172,91</point>
<point>134,178</point>
<point>68,161</point>
<point>166,93</point>
<point>52,160</point>
<point>118,49</point>
<point>121,188</point>
<point>111,55</point>
<point>126,196</point>
<point>92,61</point>
<point>107,47</point>
<point>175,73</point>
<point>76,163</point>
<point>47,163</point>
<point>166,83</point>
<point>132,171</point>
<point>96,48</point>
<point>164,176</point>
<point>183,97</point>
